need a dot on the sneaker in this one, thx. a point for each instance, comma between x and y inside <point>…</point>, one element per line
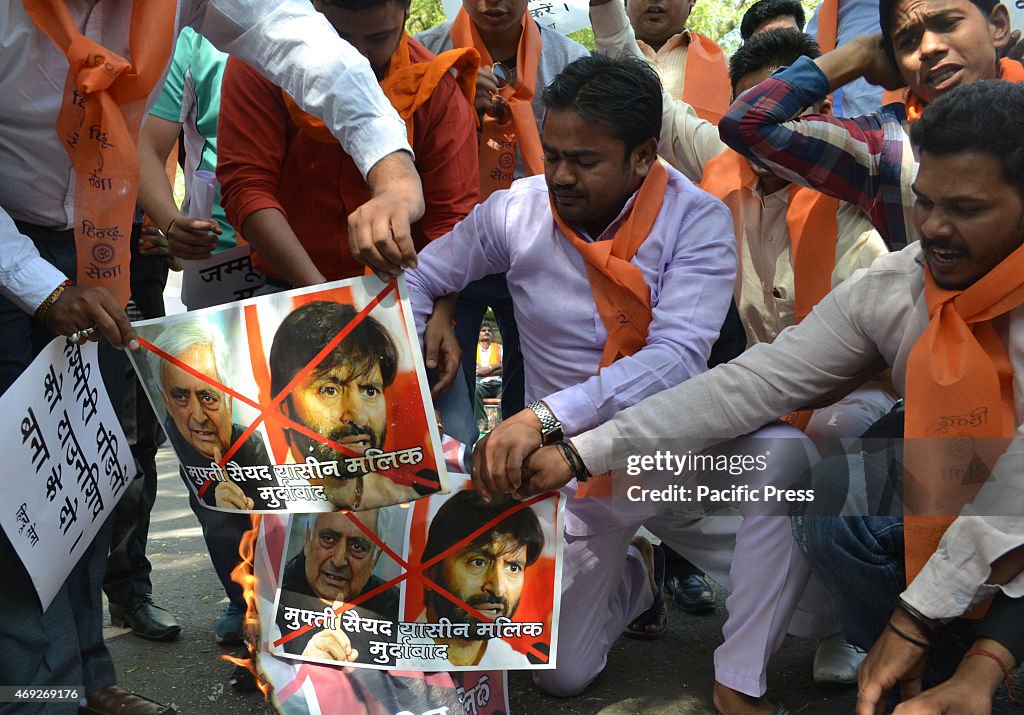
<point>692,593</point>
<point>229,626</point>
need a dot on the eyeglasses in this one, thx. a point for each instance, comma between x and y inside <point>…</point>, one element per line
<point>500,109</point>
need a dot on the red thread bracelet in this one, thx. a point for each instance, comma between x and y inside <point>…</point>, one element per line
<point>1002,666</point>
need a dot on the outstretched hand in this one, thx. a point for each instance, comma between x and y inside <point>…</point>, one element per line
<point>380,231</point>
<point>192,238</point>
<point>92,307</point>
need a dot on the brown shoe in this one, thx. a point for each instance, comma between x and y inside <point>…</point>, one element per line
<point>115,700</point>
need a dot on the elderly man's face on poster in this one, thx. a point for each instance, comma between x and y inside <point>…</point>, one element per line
<point>200,411</point>
<point>340,557</point>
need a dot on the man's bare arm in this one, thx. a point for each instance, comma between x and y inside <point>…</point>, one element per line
<point>269,233</point>
<point>187,238</point>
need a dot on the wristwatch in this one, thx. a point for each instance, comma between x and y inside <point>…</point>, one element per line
<point>550,427</point>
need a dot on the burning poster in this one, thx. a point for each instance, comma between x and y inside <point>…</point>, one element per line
<point>306,688</point>
<point>452,583</point>
<point>305,401</point>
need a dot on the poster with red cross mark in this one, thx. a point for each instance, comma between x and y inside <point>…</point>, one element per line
<point>309,400</point>
<point>449,583</point>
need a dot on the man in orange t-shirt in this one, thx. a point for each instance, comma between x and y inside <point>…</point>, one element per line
<point>290,193</point>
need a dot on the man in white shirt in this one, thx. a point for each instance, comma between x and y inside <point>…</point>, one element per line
<point>39,251</point>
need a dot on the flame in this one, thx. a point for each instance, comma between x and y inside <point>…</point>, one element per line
<point>244,575</point>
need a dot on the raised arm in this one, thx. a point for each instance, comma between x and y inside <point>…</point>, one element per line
<point>866,161</point>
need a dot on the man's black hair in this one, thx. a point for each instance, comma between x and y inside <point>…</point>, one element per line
<point>621,95</point>
<point>887,15</point>
<point>984,117</point>
<point>308,329</point>
<point>768,50</point>
<point>764,10</point>
<point>466,512</point>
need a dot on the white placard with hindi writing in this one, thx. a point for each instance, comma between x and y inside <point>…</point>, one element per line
<point>566,16</point>
<point>224,277</point>
<point>66,462</point>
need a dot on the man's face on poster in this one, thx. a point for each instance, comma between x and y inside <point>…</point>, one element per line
<point>340,557</point>
<point>200,411</point>
<point>487,575</point>
<point>349,409</point>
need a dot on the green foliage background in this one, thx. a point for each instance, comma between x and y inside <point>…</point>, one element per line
<point>718,19</point>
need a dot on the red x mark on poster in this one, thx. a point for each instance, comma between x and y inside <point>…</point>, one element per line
<point>418,574</point>
<point>271,410</point>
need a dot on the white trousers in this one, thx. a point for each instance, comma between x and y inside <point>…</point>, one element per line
<point>754,554</point>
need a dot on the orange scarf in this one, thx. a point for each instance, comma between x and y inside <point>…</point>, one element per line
<point>810,217</point>
<point>813,234</point>
<point>1009,70</point>
<point>498,144</point>
<point>406,85</point>
<point>706,83</point>
<point>622,296</point>
<point>958,365</point>
<point>98,125</point>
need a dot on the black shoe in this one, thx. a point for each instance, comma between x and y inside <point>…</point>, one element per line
<point>145,619</point>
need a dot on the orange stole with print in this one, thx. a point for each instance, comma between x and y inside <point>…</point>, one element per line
<point>813,235</point>
<point>498,144</point>
<point>98,126</point>
<point>959,365</point>
<point>622,296</point>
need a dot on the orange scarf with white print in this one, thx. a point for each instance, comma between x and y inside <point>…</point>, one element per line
<point>498,144</point>
<point>98,126</point>
<point>960,403</point>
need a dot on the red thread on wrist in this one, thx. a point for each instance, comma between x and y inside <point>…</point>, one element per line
<point>1007,683</point>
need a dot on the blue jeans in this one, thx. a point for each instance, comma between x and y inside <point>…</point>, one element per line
<point>859,559</point>
<point>222,532</point>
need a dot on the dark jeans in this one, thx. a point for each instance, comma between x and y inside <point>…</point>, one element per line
<point>222,532</point>
<point>128,568</point>
<point>492,292</point>
<point>63,645</point>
